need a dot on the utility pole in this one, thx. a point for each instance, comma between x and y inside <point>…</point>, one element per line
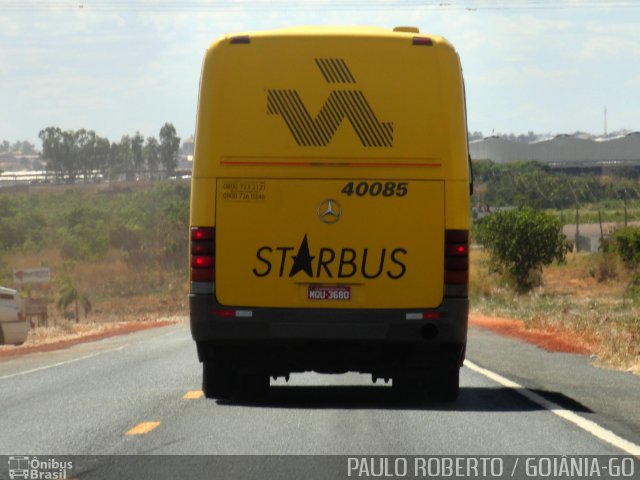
<point>605,120</point>
<point>577,227</point>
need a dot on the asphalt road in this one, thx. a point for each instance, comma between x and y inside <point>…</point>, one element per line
<point>139,395</point>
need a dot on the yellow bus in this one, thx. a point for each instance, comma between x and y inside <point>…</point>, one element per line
<point>330,209</point>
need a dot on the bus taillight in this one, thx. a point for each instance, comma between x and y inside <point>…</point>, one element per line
<point>202,254</point>
<point>456,263</point>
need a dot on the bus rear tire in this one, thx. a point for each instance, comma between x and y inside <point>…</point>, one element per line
<point>445,386</point>
<point>408,388</point>
<point>252,386</point>
<point>217,380</point>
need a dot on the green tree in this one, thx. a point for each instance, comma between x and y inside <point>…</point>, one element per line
<point>155,222</point>
<point>23,147</point>
<point>11,233</point>
<point>152,155</point>
<point>521,242</point>
<point>28,148</point>
<point>83,233</point>
<point>101,156</point>
<point>169,147</point>
<point>86,143</point>
<point>70,154</point>
<point>137,142</point>
<point>626,243</point>
<point>121,158</point>
<point>69,295</point>
<point>533,184</point>
<point>52,153</point>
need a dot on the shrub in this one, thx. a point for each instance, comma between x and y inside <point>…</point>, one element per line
<point>626,243</point>
<point>521,242</point>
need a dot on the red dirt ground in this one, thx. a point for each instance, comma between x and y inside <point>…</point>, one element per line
<point>552,340</point>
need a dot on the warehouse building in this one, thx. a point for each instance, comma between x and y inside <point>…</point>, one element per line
<point>565,152</point>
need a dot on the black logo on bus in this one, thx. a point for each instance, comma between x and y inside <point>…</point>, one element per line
<point>342,103</point>
<point>329,262</point>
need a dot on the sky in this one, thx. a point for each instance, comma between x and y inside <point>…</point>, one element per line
<point>121,66</point>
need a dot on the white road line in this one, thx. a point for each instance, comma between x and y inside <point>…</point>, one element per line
<point>59,364</point>
<point>91,355</point>
<point>587,425</point>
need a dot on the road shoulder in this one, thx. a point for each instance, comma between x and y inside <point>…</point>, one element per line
<point>605,396</point>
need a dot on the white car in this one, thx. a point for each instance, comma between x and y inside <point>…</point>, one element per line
<point>14,326</point>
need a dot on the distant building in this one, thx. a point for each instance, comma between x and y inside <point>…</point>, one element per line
<point>188,147</point>
<point>185,160</point>
<point>19,161</point>
<point>563,151</point>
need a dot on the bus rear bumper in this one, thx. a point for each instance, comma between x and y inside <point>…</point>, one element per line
<point>331,340</point>
<point>208,324</point>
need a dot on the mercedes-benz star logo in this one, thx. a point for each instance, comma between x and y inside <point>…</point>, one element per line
<point>329,211</point>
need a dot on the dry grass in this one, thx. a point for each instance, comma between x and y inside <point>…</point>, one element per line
<point>110,279</point>
<point>121,296</point>
<point>67,330</point>
<point>576,299</point>
<point>66,334</point>
<point>582,299</point>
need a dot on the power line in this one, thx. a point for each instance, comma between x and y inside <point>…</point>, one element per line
<point>306,5</point>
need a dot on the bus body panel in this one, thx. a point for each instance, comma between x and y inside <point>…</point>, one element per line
<point>305,243</point>
<point>330,184</point>
<point>395,104</point>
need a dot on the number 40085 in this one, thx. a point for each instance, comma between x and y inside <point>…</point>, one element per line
<point>374,189</point>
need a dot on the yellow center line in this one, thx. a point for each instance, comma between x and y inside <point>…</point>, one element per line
<point>193,395</point>
<point>142,428</point>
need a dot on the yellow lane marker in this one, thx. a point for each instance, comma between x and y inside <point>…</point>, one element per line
<point>193,395</point>
<point>142,428</point>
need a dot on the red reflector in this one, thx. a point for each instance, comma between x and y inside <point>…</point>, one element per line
<point>202,254</point>
<point>201,261</point>
<point>203,275</point>
<point>431,315</point>
<point>202,233</point>
<point>224,313</point>
<point>457,278</point>
<point>200,248</point>
<point>456,236</point>
<point>425,41</point>
<point>456,263</point>
<point>456,250</point>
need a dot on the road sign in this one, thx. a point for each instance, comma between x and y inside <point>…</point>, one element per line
<point>31,275</point>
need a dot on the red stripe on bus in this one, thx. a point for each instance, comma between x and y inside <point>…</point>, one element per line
<point>325,164</point>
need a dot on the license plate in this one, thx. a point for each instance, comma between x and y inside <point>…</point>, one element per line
<point>315,292</point>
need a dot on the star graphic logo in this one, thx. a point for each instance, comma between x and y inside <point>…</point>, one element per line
<point>302,260</point>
